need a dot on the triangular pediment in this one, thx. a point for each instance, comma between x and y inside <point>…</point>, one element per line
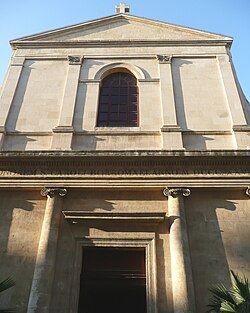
<point>123,27</point>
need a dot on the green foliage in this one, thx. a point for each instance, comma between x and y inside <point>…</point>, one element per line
<point>4,285</point>
<point>233,300</point>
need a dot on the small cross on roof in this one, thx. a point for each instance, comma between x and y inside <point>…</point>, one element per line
<point>122,8</point>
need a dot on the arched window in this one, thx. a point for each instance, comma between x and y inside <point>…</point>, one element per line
<point>118,102</point>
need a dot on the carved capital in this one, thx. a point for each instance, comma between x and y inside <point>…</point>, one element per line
<point>53,191</point>
<point>164,59</point>
<point>75,60</point>
<point>248,191</point>
<point>175,192</point>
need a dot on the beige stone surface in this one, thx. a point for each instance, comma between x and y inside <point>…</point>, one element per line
<point>199,95</point>
<point>189,99</point>
<point>38,97</point>
<point>120,142</point>
<point>218,237</point>
<point>20,224</point>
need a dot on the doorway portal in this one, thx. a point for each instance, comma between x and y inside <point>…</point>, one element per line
<point>113,280</point>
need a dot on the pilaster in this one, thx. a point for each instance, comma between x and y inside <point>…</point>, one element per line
<point>239,122</point>
<point>41,289</point>
<point>182,280</point>
<point>63,133</point>
<point>171,132</point>
<point>8,92</point>
<point>91,104</point>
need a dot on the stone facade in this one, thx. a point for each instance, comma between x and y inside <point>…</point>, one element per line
<point>176,185</point>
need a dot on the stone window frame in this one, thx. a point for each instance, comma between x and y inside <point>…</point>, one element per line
<point>135,241</point>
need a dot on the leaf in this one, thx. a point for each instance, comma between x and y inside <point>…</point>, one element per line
<point>241,288</point>
<point>228,307</point>
<point>233,300</point>
<point>6,284</point>
<point>222,293</point>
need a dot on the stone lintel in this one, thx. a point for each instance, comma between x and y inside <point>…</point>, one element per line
<point>142,217</point>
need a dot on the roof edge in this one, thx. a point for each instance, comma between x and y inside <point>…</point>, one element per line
<point>111,17</point>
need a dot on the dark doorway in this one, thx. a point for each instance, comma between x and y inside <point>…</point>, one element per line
<point>113,280</point>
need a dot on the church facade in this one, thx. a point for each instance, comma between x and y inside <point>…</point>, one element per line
<point>124,168</point>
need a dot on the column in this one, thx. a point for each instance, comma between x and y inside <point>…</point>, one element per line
<point>41,288</point>
<point>171,132</point>
<point>63,133</point>
<point>8,92</point>
<point>182,281</point>
<point>239,123</point>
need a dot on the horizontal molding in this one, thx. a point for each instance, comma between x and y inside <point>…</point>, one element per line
<point>63,129</point>
<point>171,128</point>
<point>118,43</point>
<point>37,185</point>
<point>19,133</point>
<point>64,57</point>
<point>207,132</point>
<point>241,128</point>
<point>97,81</point>
<point>89,81</point>
<point>149,80</point>
<point>125,132</point>
<point>128,153</point>
<point>143,217</point>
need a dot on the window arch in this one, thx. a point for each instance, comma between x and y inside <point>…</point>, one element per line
<point>118,101</point>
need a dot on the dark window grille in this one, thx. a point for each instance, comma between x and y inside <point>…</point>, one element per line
<point>118,102</point>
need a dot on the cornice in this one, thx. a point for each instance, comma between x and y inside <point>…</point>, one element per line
<point>118,43</point>
<point>125,163</point>
<point>125,169</point>
<point>112,18</point>
<point>124,153</point>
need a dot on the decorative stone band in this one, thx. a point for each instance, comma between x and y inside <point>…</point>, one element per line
<point>175,192</point>
<point>53,191</point>
<point>248,191</point>
<point>164,59</point>
<point>75,60</point>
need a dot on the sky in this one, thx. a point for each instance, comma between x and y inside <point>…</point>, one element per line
<point>227,17</point>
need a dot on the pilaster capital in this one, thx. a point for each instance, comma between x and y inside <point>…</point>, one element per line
<point>75,59</point>
<point>164,59</point>
<point>17,61</point>
<point>176,192</point>
<point>248,191</point>
<point>53,191</point>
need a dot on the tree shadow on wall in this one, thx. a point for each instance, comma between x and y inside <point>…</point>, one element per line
<point>16,252</point>
<point>208,256</point>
